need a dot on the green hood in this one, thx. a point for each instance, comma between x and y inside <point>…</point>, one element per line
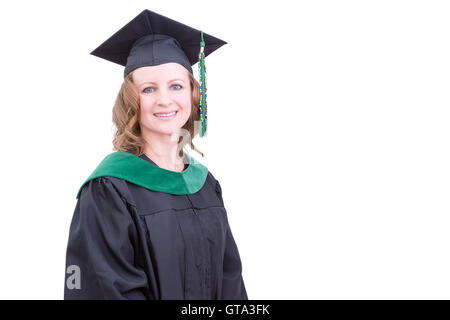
<point>129,167</point>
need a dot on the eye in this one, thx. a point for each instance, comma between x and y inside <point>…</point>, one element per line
<point>175,85</point>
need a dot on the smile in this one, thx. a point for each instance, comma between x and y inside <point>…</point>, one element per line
<point>169,115</point>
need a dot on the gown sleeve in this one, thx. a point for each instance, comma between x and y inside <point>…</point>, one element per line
<point>233,287</point>
<point>100,257</point>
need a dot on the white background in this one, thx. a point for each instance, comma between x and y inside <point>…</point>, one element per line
<point>328,131</point>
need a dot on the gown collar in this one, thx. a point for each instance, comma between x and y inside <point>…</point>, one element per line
<point>144,172</point>
<point>146,158</point>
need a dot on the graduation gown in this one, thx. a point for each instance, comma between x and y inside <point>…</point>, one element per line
<point>142,232</point>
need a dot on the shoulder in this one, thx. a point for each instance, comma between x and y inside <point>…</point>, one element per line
<point>107,187</point>
<point>214,183</point>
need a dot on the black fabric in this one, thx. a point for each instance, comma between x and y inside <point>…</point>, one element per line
<point>128,242</point>
<point>152,39</point>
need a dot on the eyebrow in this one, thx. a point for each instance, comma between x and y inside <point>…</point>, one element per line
<point>150,82</point>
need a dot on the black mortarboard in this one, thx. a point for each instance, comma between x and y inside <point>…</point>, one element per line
<point>152,39</point>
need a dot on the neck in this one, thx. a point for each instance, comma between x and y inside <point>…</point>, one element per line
<point>163,150</point>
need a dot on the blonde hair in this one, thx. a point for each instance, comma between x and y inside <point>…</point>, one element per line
<point>126,116</point>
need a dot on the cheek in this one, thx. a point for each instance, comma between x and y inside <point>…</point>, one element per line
<point>186,101</point>
<point>146,103</point>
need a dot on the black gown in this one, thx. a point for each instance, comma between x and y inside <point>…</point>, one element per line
<point>129,242</point>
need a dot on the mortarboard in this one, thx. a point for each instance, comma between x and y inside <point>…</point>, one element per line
<point>152,39</point>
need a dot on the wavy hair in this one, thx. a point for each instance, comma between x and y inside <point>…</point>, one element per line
<point>126,116</point>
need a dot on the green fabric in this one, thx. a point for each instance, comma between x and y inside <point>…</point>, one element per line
<point>129,167</point>
<point>202,77</point>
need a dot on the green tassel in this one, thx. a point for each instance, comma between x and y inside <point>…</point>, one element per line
<point>203,91</point>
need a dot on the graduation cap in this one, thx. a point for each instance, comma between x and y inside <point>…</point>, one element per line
<point>152,39</point>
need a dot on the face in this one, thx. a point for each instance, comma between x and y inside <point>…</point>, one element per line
<point>163,89</point>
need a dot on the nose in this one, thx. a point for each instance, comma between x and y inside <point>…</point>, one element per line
<point>163,97</point>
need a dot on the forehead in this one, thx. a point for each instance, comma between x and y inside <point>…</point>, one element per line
<point>160,72</point>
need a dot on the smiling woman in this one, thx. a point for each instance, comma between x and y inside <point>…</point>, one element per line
<point>147,226</point>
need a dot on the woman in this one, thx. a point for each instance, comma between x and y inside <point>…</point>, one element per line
<point>150,221</point>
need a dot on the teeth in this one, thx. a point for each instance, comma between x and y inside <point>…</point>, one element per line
<point>165,114</point>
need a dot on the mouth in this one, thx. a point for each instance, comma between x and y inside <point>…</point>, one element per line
<point>166,116</point>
